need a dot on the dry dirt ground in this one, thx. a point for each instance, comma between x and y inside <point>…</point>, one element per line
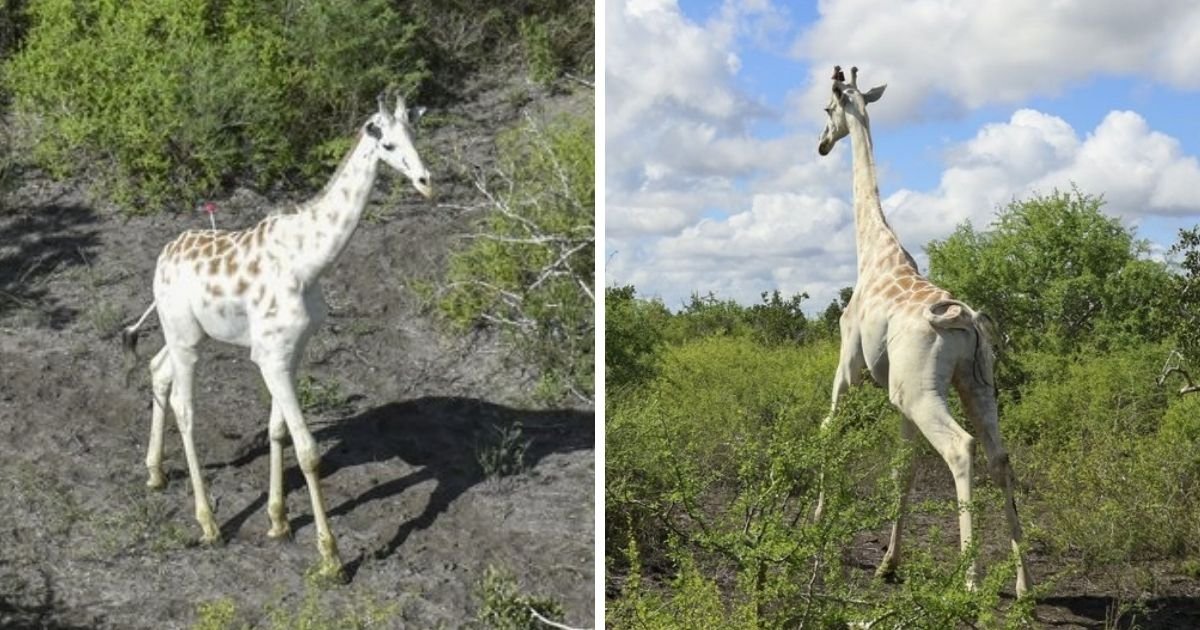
<point>401,409</point>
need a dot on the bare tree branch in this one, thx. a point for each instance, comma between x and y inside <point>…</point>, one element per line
<point>553,624</point>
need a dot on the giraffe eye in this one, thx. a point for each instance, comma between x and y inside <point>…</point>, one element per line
<point>389,146</point>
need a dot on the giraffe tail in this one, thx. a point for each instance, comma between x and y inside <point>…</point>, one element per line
<point>954,314</point>
<point>129,340</point>
<point>950,314</point>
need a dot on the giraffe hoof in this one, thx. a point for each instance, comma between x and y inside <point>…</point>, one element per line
<point>283,532</point>
<point>157,480</point>
<point>212,536</point>
<point>887,571</point>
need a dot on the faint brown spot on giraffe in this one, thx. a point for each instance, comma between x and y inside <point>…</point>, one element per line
<point>231,265</point>
<point>214,265</point>
<point>215,290</point>
<point>252,268</point>
<point>241,287</point>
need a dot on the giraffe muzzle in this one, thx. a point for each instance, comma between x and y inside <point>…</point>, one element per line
<point>424,186</point>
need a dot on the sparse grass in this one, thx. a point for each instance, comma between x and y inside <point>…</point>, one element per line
<point>217,614</point>
<point>52,505</point>
<point>362,327</point>
<point>310,613</point>
<point>318,397</point>
<point>139,520</point>
<point>502,453</point>
<point>504,607</point>
<point>105,318</point>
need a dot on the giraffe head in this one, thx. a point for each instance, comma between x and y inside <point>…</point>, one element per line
<point>393,135</point>
<point>845,100</point>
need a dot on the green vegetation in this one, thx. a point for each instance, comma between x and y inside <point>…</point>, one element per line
<point>714,453</point>
<point>166,103</point>
<point>504,607</point>
<point>528,269</point>
<point>316,396</point>
<point>310,613</point>
<point>502,453</point>
<point>1059,275</point>
<point>176,98</point>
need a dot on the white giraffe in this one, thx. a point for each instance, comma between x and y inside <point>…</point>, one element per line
<point>259,288</point>
<point>913,338</point>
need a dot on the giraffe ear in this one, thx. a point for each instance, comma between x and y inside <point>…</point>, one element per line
<point>874,93</point>
<point>374,131</point>
<point>414,114</point>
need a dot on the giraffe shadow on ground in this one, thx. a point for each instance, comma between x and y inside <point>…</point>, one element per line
<point>34,246</point>
<point>438,437</point>
<point>27,606</point>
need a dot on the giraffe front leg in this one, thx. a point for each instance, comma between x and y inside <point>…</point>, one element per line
<point>280,381</point>
<point>160,380</point>
<point>276,505</point>
<point>903,475</point>
<point>840,385</point>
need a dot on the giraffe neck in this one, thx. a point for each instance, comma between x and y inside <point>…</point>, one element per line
<point>322,228</point>
<point>874,238</point>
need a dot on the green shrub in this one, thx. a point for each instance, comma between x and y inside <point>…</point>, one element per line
<point>713,470</point>
<point>168,102</point>
<point>504,607</point>
<point>634,331</point>
<point>1057,274</point>
<point>1110,460</point>
<point>529,268</point>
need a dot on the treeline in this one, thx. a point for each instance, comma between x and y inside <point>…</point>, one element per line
<point>714,454</point>
<point>1054,272</point>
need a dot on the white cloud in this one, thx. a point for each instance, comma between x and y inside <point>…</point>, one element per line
<point>674,119</point>
<point>946,56</point>
<point>793,242</point>
<point>1138,170</point>
<point>805,242</point>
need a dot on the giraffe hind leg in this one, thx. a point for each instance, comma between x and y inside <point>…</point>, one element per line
<point>161,375</point>
<point>980,405</point>
<point>183,359</point>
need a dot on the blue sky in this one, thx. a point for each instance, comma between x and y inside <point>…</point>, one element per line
<point>714,108</point>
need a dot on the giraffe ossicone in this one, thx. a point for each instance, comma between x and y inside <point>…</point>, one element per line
<point>913,338</point>
<point>258,288</point>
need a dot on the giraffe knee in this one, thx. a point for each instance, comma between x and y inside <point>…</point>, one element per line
<point>307,456</point>
<point>277,431</point>
<point>958,455</point>
<point>1000,466</point>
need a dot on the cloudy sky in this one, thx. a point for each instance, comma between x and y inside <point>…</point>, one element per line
<point>713,110</point>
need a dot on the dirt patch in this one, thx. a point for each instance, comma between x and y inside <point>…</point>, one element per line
<point>401,410</point>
